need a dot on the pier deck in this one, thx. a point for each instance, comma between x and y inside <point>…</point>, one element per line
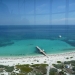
<point>41,51</point>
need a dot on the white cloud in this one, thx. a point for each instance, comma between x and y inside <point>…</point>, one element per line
<point>72,4</point>
<point>63,19</point>
<point>61,7</point>
<point>64,6</point>
<point>39,8</point>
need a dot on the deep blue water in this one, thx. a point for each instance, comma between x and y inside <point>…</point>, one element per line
<point>10,34</point>
<point>37,31</point>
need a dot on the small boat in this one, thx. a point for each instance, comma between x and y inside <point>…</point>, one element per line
<point>60,36</point>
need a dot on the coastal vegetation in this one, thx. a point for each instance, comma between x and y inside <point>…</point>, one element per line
<point>59,68</point>
<point>53,71</point>
<point>71,57</point>
<point>64,68</point>
<point>39,69</point>
<point>70,62</point>
<point>7,68</point>
<point>58,61</point>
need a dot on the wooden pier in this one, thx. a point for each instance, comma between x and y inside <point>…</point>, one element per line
<point>42,51</point>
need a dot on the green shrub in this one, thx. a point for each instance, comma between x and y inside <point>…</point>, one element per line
<point>24,68</point>
<point>53,71</point>
<point>73,68</point>
<point>61,73</point>
<point>58,61</point>
<point>9,69</point>
<point>67,62</point>
<point>67,58</point>
<point>72,61</point>
<point>71,57</point>
<point>44,61</point>
<point>58,66</point>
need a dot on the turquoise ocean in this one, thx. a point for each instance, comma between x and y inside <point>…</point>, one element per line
<point>21,40</point>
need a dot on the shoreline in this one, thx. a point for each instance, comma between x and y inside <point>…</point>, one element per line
<point>38,55</point>
<point>38,59</point>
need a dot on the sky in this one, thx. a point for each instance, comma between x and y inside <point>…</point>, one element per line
<point>37,12</point>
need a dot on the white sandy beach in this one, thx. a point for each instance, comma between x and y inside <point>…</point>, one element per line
<point>52,58</point>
